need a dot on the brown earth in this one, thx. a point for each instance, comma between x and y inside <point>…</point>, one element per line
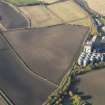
<point>10,18</point>
<point>48,51</point>
<point>40,16</point>
<point>93,84</point>
<point>19,85</point>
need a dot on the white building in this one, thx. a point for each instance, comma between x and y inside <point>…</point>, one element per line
<point>80,61</point>
<point>87,48</point>
<point>103,28</point>
<point>94,39</point>
<point>85,62</point>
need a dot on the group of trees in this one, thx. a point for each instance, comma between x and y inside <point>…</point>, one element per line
<point>75,99</point>
<point>57,97</point>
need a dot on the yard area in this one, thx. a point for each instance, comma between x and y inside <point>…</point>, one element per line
<point>40,16</point>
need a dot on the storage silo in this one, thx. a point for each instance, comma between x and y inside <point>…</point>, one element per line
<point>85,62</point>
<point>92,59</point>
<point>98,58</point>
<point>80,61</point>
<point>103,58</point>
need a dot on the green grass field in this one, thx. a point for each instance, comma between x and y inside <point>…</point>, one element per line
<point>23,2</point>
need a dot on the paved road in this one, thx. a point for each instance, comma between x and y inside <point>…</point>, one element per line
<point>11,18</point>
<point>19,85</point>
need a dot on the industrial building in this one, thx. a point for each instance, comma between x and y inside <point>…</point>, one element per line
<point>93,52</point>
<point>99,44</point>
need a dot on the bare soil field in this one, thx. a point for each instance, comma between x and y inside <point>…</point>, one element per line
<point>68,11</point>
<point>57,13</point>
<point>48,51</point>
<point>10,18</point>
<point>84,22</point>
<point>22,87</point>
<point>97,5</point>
<point>40,16</point>
<point>93,85</point>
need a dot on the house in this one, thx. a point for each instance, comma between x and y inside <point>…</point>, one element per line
<point>88,47</point>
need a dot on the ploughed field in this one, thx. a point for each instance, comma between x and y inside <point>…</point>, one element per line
<point>11,18</point>
<point>21,87</point>
<point>93,85</point>
<point>49,51</point>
